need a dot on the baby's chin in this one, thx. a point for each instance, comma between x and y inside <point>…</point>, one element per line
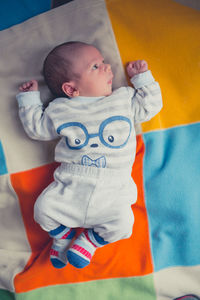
<point>109,92</point>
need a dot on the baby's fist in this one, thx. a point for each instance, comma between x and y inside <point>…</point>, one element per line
<point>29,86</point>
<point>135,67</point>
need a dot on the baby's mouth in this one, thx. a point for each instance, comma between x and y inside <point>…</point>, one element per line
<point>110,81</point>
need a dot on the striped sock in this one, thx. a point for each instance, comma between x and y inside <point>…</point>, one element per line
<point>80,253</point>
<point>62,237</point>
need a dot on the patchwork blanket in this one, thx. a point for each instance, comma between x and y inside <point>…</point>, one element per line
<point>161,260</point>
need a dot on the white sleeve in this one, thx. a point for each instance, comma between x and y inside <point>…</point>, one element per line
<point>35,120</point>
<point>147,98</point>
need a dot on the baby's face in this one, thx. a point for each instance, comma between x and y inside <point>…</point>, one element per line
<point>95,76</point>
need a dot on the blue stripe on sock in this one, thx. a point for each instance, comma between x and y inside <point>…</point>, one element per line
<point>98,238</point>
<point>57,263</point>
<point>76,260</point>
<point>71,235</point>
<point>58,230</point>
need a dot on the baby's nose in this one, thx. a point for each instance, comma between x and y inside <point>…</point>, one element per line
<point>107,67</point>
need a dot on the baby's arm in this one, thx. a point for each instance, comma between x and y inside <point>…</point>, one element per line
<point>146,99</point>
<point>35,120</point>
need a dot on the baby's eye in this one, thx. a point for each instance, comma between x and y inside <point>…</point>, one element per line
<point>95,67</point>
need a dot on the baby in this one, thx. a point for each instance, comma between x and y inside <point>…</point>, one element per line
<point>92,187</point>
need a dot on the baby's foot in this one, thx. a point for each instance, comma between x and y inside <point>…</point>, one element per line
<point>58,251</point>
<point>81,252</point>
<point>62,237</point>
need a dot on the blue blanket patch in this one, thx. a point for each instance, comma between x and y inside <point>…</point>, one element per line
<point>172,189</point>
<point>3,167</point>
<point>13,12</point>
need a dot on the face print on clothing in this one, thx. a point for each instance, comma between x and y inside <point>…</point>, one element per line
<point>113,133</point>
<point>188,297</point>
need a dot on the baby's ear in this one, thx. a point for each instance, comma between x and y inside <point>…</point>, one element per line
<point>69,89</point>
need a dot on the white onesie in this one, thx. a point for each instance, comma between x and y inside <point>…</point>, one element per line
<point>93,187</point>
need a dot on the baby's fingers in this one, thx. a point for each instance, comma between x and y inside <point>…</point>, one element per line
<point>143,64</point>
<point>28,86</point>
<point>24,86</point>
<point>138,64</point>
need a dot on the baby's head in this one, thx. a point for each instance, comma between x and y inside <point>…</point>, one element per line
<point>77,69</point>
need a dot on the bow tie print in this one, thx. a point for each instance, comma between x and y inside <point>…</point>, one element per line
<point>99,162</point>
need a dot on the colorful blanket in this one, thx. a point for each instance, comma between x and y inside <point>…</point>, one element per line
<point>161,260</point>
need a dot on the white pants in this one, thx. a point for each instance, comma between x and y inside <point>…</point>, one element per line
<point>88,197</point>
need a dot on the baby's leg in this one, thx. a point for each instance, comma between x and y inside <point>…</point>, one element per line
<point>62,237</point>
<point>80,253</point>
<point>119,227</point>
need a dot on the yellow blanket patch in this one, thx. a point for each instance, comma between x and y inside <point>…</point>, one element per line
<point>166,34</point>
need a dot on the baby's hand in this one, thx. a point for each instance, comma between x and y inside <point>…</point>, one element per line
<point>135,67</point>
<point>29,86</point>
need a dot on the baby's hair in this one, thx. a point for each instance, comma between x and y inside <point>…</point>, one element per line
<point>57,67</point>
